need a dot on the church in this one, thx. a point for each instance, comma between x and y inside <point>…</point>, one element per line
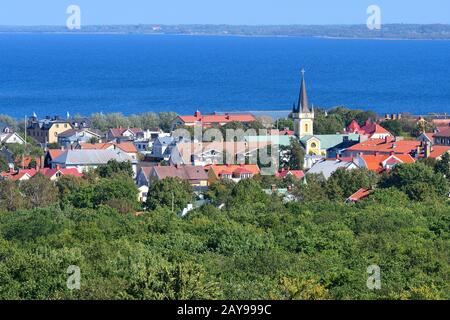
<point>302,114</point>
<point>317,146</point>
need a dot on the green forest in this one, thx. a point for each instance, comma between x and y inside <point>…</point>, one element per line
<point>256,246</point>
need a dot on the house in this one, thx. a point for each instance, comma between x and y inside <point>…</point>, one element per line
<point>50,155</point>
<point>162,147</point>
<point>437,152</point>
<point>442,138</point>
<point>80,122</point>
<point>284,132</point>
<point>441,123</point>
<point>143,175</point>
<point>359,195</point>
<point>52,174</point>
<point>327,167</point>
<point>370,129</point>
<point>426,137</point>
<point>143,192</point>
<point>381,163</point>
<point>5,128</point>
<point>209,120</point>
<point>196,176</point>
<point>145,145</point>
<point>8,136</point>
<point>384,146</point>
<point>77,136</point>
<point>48,129</point>
<point>124,134</point>
<point>153,133</point>
<point>328,145</point>
<point>216,152</point>
<point>284,173</point>
<point>232,172</point>
<point>85,160</point>
<point>127,146</point>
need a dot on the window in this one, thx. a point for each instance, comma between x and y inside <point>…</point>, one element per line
<point>313,145</point>
<point>306,127</point>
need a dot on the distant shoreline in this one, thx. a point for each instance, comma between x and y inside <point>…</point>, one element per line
<point>218,35</point>
<point>391,32</point>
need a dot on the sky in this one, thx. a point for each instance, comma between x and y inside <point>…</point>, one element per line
<point>250,12</point>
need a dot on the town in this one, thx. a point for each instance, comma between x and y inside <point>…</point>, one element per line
<point>75,146</point>
<point>225,205</point>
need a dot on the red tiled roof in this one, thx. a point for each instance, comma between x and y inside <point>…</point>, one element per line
<point>55,153</point>
<point>369,128</point>
<point>127,146</point>
<point>18,176</point>
<point>385,146</point>
<point>220,168</point>
<point>296,173</point>
<point>48,172</point>
<point>69,172</point>
<point>375,162</point>
<point>353,126</point>
<point>444,133</point>
<point>118,132</point>
<point>437,151</point>
<point>441,122</point>
<point>242,170</point>
<point>359,195</point>
<point>216,118</point>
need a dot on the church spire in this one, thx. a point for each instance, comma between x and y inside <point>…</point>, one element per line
<point>303,105</point>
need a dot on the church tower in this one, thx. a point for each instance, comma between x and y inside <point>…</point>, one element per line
<point>303,116</point>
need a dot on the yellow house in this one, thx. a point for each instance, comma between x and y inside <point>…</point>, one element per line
<point>47,130</point>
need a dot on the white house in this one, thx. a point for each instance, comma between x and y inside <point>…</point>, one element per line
<point>88,159</point>
<point>327,167</point>
<point>11,138</point>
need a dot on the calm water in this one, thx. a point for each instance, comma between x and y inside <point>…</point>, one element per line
<point>53,74</point>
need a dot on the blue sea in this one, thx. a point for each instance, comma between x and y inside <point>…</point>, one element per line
<point>55,73</point>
